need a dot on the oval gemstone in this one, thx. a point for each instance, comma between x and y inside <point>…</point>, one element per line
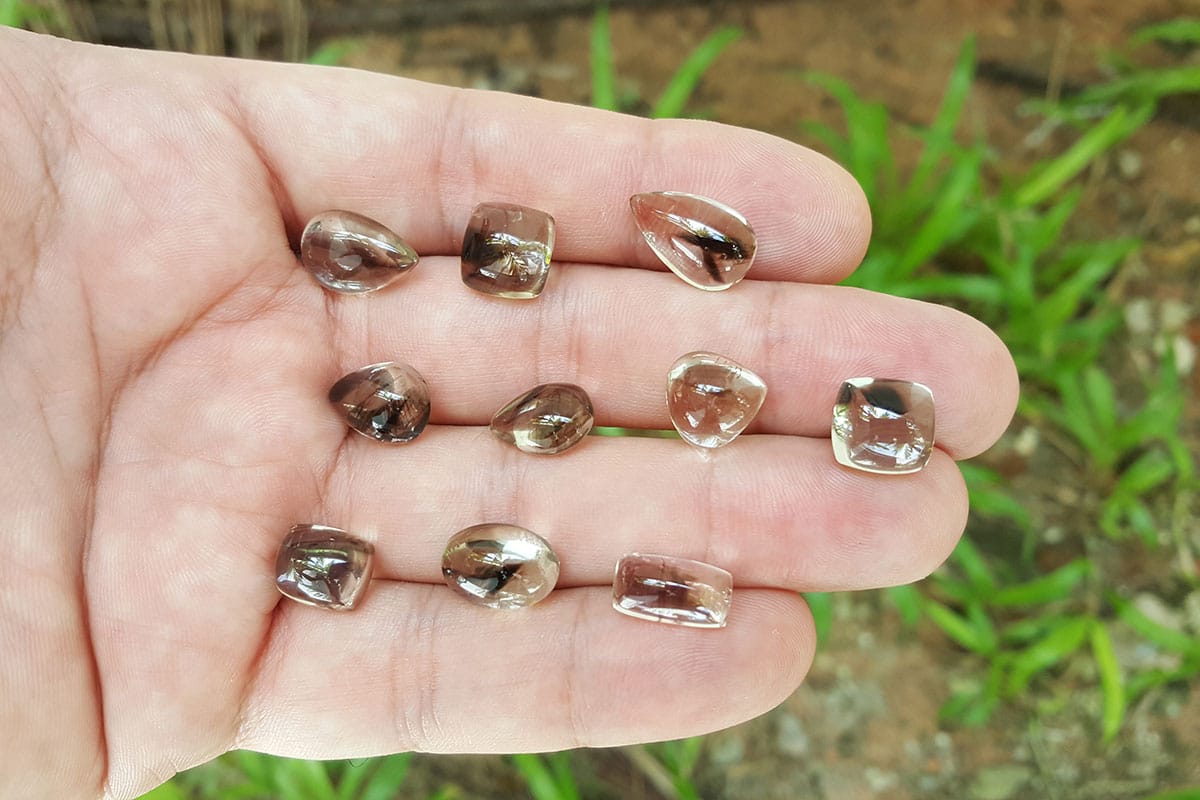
<point>347,252</point>
<point>547,419</point>
<point>387,401</point>
<point>712,399</point>
<point>499,565</point>
<point>704,242</point>
<point>323,566</point>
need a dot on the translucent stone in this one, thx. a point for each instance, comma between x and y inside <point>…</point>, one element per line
<point>883,426</point>
<point>706,243</point>
<point>324,567</point>
<point>506,250</point>
<point>712,399</point>
<point>386,401</point>
<point>499,565</point>
<point>547,419</point>
<point>347,252</point>
<point>675,590</point>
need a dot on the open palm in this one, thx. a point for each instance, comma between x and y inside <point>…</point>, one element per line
<point>165,362</point>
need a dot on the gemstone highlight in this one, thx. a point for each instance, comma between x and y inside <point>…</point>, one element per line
<point>547,419</point>
<point>675,590</point>
<point>506,250</point>
<point>347,252</point>
<point>388,401</point>
<point>712,399</point>
<point>322,566</point>
<point>704,242</point>
<point>883,426</point>
<point>499,565</point>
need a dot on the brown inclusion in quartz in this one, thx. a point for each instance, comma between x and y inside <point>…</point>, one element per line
<point>675,590</point>
<point>712,399</point>
<point>347,252</point>
<point>499,565</point>
<point>704,242</point>
<point>387,401</point>
<point>547,419</point>
<point>883,426</point>
<point>322,566</point>
<point>506,250</point>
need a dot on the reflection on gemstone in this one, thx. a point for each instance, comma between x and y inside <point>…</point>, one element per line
<point>506,250</point>
<point>675,590</point>
<point>386,401</point>
<point>347,252</point>
<point>705,242</point>
<point>547,419</point>
<point>322,566</point>
<point>883,426</point>
<point>711,399</point>
<point>499,565</point>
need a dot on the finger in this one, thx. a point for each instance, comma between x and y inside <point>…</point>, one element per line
<point>416,668</point>
<point>774,511</point>
<point>617,332</point>
<point>419,157</point>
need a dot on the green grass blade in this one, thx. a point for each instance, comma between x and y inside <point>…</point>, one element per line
<point>1149,472</point>
<point>979,575</point>
<point>1056,647</point>
<point>541,782</point>
<point>1176,794</point>
<point>1112,687</point>
<point>1159,635</point>
<point>679,90</point>
<point>298,779</point>
<point>821,606</point>
<point>908,602</point>
<point>1144,86</point>
<point>331,53</point>
<point>1102,398</point>
<point>168,791</point>
<point>388,778</point>
<point>939,137</point>
<point>604,77</point>
<point>948,218</point>
<point>1050,179</point>
<point>960,629</point>
<point>12,13</point>
<point>1057,585</point>
<point>866,152</point>
<point>1175,31</point>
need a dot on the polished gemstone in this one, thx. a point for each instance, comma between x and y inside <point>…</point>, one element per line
<point>322,566</point>
<point>706,243</point>
<point>675,590</point>
<point>347,252</point>
<point>499,565</point>
<point>883,426</point>
<point>712,399</point>
<point>506,250</point>
<point>387,401</point>
<point>547,419</point>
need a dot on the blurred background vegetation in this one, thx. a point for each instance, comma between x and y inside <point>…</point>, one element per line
<point>1033,162</point>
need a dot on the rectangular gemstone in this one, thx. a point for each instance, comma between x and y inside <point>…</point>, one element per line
<point>674,590</point>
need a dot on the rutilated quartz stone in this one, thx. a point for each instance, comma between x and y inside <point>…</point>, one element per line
<point>499,565</point>
<point>674,590</point>
<point>883,426</point>
<point>386,401</point>
<point>506,250</point>
<point>347,252</point>
<point>704,242</point>
<point>547,419</point>
<point>712,399</point>
<point>322,566</point>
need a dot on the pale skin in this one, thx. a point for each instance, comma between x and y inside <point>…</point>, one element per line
<point>163,367</point>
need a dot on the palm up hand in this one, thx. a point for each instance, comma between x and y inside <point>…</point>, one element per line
<point>165,362</point>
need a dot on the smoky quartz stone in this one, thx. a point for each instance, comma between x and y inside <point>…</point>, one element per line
<point>387,401</point>
<point>547,419</point>
<point>506,250</point>
<point>674,590</point>
<point>499,565</point>
<point>883,426</point>
<point>704,242</point>
<point>322,566</point>
<point>347,252</point>
<point>712,399</point>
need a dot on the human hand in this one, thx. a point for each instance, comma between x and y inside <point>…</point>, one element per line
<point>165,361</point>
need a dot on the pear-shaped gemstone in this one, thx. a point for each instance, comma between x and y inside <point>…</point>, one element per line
<point>386,401</point>
<point>347,252</point>
<point>547,419</point>
<point>705,242</point>
<point>499,565</point>
<point>712,399</point>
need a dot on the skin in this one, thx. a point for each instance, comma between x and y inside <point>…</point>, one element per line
<point>163,365</point>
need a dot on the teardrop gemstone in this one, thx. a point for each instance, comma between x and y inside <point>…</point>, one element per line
<point>350,253</point>
<point>712,399</point>
<point>499,565</point>
<point>386,401</point>
<point>704,242</point>
<point>547,419</point>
